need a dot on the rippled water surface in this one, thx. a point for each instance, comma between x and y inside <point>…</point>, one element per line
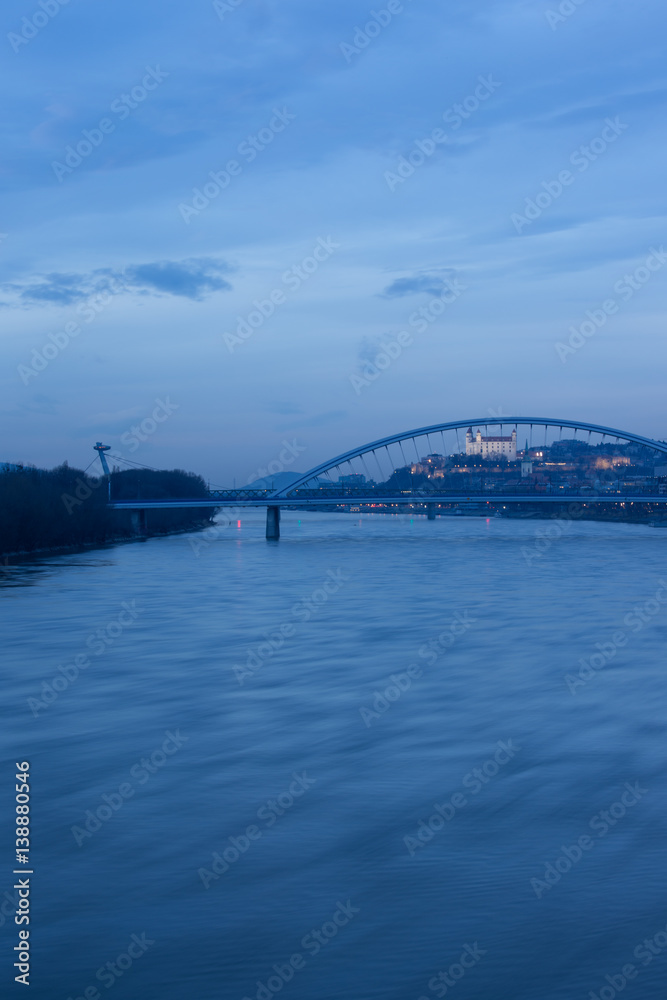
<point>292,810</point>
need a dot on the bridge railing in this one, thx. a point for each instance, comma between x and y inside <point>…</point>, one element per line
<point>476,492</point>
<point>239,494</point>
<point>421,495</point>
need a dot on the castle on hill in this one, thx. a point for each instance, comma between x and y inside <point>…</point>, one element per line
<point>491,447</point>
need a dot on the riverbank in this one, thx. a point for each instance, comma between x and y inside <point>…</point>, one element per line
<point>46,512</point>
<point>66,550</point>
<point>609,514</point>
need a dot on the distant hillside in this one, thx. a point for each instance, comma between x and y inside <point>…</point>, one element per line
<point>280,480</point>
<point>274,482</point>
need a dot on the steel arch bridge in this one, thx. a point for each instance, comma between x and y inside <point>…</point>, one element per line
<point>454,425</point>
<point>316,488</point>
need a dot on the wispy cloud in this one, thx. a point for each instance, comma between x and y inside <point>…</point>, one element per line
<point>431,282</point>
<point>193,278</point>
<point>369,348</point>
<point>284,408</point>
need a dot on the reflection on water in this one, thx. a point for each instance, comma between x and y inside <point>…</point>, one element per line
<point>349,764</point>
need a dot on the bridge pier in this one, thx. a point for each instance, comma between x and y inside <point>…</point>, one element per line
<point>273,523</point>
<point>138,519</point>
<point>430,511</point>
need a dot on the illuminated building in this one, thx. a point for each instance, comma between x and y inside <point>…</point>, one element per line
<point>491,447</point>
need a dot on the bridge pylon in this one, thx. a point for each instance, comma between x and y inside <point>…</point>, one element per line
<point>273,523</point>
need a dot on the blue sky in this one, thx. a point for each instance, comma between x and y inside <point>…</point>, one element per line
<point>312,240</point>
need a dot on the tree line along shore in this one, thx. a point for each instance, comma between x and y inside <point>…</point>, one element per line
<point>64,507</point>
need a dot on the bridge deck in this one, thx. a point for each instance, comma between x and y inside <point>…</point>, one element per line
<point>351,500</point>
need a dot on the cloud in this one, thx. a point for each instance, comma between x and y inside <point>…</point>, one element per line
<point>193,278</point>
<point>284,408</point>
<point>597,109</point>
<point>369,348</point>
<point>431,282</point>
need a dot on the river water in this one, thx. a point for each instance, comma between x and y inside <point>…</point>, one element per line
<point>488,822</point>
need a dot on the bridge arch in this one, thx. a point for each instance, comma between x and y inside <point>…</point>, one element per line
<point>511,423</point>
